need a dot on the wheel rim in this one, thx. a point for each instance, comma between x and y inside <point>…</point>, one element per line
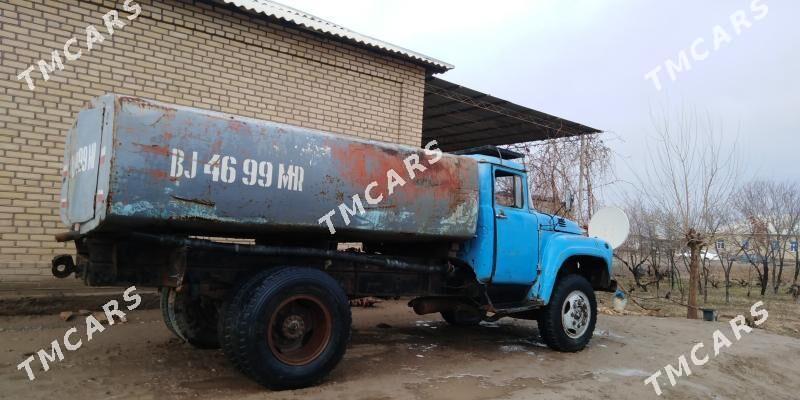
<point>299,330</point>
<point>575,314</point>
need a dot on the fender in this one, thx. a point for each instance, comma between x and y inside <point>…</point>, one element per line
<point>558,248</point>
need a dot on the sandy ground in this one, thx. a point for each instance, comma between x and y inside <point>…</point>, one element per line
<point>395,354</point>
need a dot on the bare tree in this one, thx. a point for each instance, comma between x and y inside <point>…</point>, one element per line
<point>671,249</point>
<point>796,246</point>
<point>750,239</point>
<point>564,165</point>
<point>636,251</point>
<point>728,253</point>
<point>705,270</point>
<point>772,213</point>
<point>689,180</point>
<point>728,245</point>
<point>786,217</point>
<point>659,251</point>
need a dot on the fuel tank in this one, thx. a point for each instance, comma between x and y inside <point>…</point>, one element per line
<point>133,164</point>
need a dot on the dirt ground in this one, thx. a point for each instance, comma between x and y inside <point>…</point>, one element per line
<point>395,354</point>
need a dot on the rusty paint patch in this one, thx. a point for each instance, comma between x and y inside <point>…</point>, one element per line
<point>236,126</point>
<point>363,163</point>
<point>147,105</point>
<point>158,174</point>
<point>154,149</point>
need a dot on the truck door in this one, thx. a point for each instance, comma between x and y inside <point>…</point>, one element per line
<point>516,230</point>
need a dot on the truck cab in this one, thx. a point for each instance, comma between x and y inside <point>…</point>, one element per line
<point>516,245</point>
<point>531,264</point>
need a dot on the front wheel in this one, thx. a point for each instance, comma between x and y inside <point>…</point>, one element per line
<point>567,323</point>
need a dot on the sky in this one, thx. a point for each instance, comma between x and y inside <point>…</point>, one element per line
<point>586,60</point>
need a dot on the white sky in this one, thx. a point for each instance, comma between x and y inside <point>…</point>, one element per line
<point>585,60</point>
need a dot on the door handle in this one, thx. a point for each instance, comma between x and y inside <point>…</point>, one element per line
<point>501,215</point>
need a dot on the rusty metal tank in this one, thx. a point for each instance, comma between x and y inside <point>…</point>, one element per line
<point>133,164</point>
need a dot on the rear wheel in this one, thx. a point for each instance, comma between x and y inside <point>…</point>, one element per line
<point>192,319</point>
<point>229,314</point>
<point>169,320</point>
<point>567,323</point>
<point>291,329</point>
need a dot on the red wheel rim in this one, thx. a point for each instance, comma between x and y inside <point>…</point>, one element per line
<point>299,330</point>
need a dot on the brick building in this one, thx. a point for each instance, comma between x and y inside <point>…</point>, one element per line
<point>252,58</point>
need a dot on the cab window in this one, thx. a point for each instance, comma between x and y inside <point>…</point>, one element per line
<point>507,189</point>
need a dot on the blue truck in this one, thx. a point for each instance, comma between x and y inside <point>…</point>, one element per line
<point>258,234</point>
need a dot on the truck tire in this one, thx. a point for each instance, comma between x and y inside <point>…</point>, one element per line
<point>292,328</point>
<point>169,321</point>
<point>463,317</point>
<point>191,319</point>
<point>567,322</point>
<point>229,314</point>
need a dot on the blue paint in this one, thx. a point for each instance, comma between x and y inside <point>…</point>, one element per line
<point>515,244</point>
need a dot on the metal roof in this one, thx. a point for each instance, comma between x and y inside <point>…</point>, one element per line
<point>459,118</point>
<point>316,24</point>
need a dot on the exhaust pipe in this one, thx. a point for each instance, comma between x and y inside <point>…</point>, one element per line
<point>432,305</point>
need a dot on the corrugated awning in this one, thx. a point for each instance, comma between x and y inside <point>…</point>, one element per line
<point>458,117</point>
<point>307,21</point>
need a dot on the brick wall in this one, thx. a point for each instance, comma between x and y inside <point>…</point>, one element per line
<point>191,53</point>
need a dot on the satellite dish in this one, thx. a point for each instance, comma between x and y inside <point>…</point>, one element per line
<point>610,224</point>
